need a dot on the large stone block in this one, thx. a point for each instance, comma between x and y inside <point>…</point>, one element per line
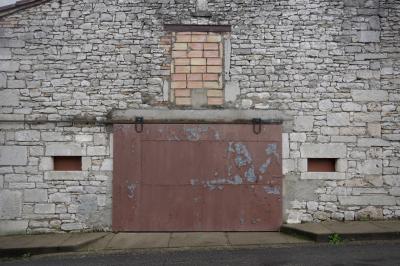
<point>325,105</point>
<point>303,123</point>
<point>338,119</point>
<point>12,117</point>
<point>64,149</point>
<point>285,146</point>
<point>10,204</point>
<point>96,151</point>
<point>368,74</point>
<point>60,82</point>
<point>35,195</point>
<point>370,213</point>
<point>3,80</point>
<point>5,53</point>
<point>392,180</point>
<point>288,165</point>
<point>9,66</point>
<point>341,165</point>
<point>9,97</point>
<point>16,84</point>
<point>55,136</point>
<point>46,163</point>
<point>373,167</point>
<point>294,217</point>
<point>309,150</point>
<point>372,142</point>
<point>375,200</point>
<point>367,117</point>
<point>374,129</point>
<point>60,198</point>
<point>395,191</point>
<point>369,95</point>
<point>67,175</point>
<point>369,36</point>
<point>106,17</point>
<point>298,137</point>
<point>71,226</point>
<point>13,155</point>
<point>232,91</point>
<point>27,135</point>
<point>87,207</point>
<point>350,106</point>
<point>45,208</point>
<point>367,56</point>
<point>107,165</point>
<point>323,175</point>
<point>13,227</point>
<point>11,43</point>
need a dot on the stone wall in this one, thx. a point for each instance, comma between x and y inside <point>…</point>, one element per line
<point>34,198</point>
<point>332,65</point>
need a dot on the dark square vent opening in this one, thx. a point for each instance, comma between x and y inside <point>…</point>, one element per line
<point>67,163</point>
<point>321,164</point>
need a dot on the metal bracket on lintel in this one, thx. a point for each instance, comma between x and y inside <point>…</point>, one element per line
<point>256,125</point>
<point>139,120</point>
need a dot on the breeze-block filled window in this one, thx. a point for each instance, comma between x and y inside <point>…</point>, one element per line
<point>196,68</point>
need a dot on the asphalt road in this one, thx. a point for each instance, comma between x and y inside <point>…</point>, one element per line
<point>382,253</point>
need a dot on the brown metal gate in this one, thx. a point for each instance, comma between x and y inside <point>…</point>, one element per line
<point>197,177</point>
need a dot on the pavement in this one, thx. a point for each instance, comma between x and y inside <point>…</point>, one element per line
<point>25,245</point>
<point>350,231</point>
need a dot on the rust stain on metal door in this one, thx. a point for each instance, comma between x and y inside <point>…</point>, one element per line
<point>195,177</point>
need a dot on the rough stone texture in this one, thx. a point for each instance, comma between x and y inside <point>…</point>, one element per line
<point>369,95</point>
<point>10,204</point>
<point>323,150</point>
<point>45,208</point>
<point>303,123</point>
<point>35,195</point>
<point>323,175</point>
<point>232,91</point>
<point>338,119</point>
<point>13,227</point>
<point>13,155</point>
<point>369,36</point>
<point>373,166</point>
<point>9,98</point>
<point>379,200</point>
<point>331,65</point>
<point>60,175</point>
<point>65,149</point>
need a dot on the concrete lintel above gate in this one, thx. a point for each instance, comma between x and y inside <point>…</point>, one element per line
<point>202,116</point>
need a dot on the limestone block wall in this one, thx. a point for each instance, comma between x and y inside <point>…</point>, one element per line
<point>34,198</point>
<point>333,66</point>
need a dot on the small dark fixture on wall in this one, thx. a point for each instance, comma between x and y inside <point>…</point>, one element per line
<point>321,164</point>
<point>67,163</point>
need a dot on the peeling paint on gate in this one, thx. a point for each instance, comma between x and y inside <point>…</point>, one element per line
<point>194,133</point>
<point>243,156</point>
<point>250,175</point>
<point>264,167</point>
<point>272,190</point>
<point>272,149</point>
<point>131,190</point>
<point>219,183</point>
